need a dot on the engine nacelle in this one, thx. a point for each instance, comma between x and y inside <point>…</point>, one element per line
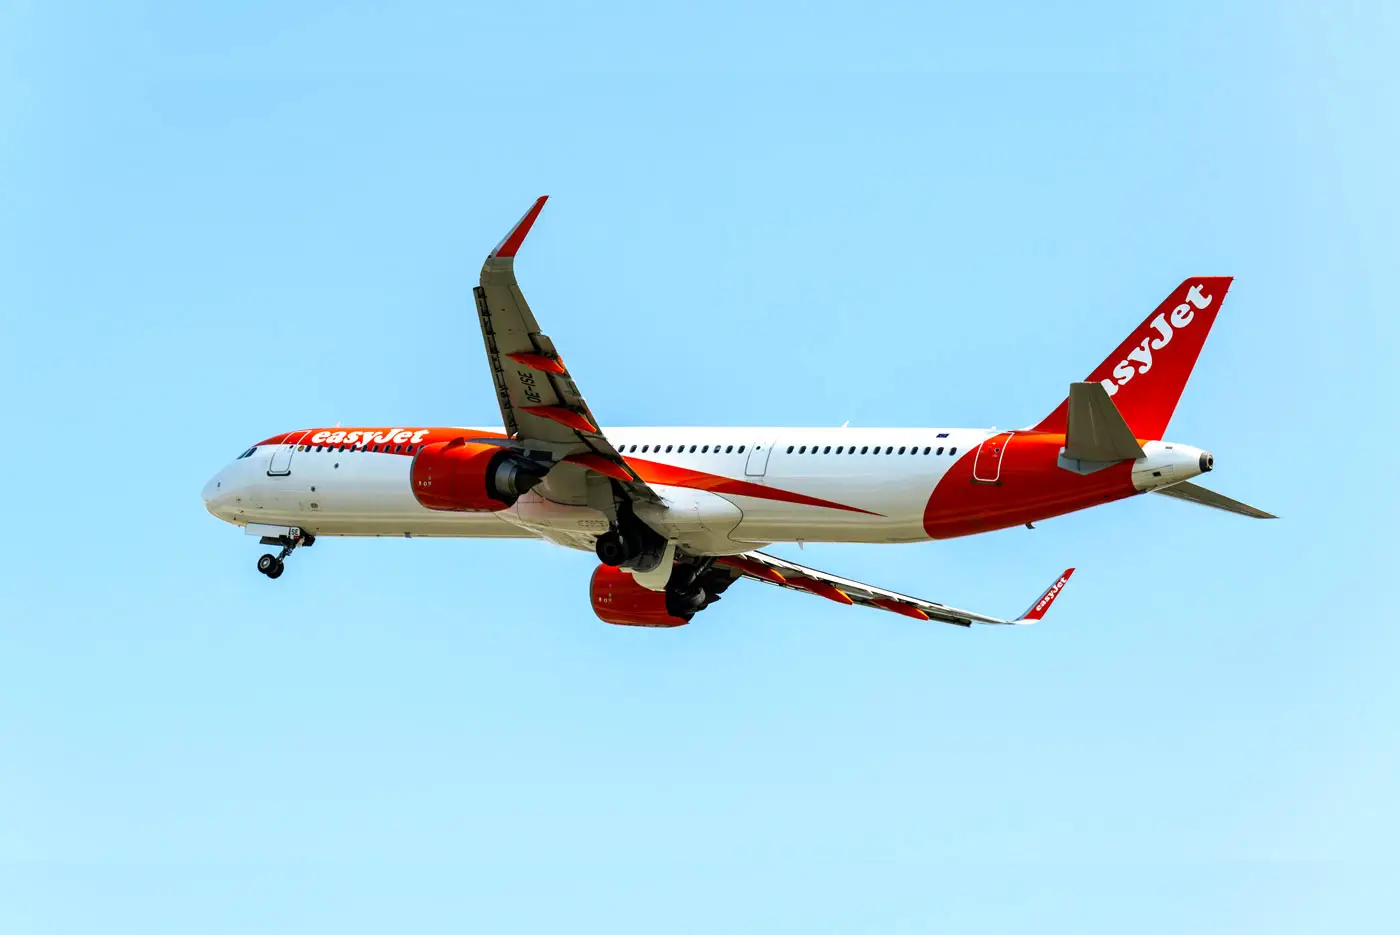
<point>467,477</point>
<point>620,600</point>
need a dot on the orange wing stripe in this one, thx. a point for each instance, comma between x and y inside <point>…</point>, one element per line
<point>600,464</point>
<point>752,569</point>
<point>565,417</point>
<point>821,589</point>
<point>905,609</point>
<point>538,362</point>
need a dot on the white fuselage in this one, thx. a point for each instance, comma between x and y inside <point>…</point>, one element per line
<point>724,489</point>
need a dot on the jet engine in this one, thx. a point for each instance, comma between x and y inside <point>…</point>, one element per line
<point>468,477</point>
<point>620,600</point>
<point>694,585</point>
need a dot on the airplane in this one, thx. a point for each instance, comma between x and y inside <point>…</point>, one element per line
<point>676,515</point>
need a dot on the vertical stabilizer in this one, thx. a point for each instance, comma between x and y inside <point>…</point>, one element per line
<point>1144,377</point>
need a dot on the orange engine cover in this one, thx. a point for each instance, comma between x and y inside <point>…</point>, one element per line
<point>620,600</point>
<point>459,476</point>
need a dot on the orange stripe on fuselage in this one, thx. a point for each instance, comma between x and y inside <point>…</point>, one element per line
<point>654,472</point>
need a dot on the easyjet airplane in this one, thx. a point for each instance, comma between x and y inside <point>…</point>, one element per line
<point>677,515</point>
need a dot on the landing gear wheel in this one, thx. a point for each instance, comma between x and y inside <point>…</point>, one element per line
<point>273,565</point>
<point>611,549</point>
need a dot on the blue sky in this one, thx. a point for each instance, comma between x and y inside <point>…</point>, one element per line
<point>217,225</point>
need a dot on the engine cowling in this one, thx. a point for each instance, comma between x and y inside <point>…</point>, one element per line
<point>467,477</point>
<point>620,600</point>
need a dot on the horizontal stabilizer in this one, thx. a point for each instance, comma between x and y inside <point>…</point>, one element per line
<point>1097,431</point>
<point>1195,494</point>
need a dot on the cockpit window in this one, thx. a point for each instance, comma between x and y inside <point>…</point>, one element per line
<point>247,453</point>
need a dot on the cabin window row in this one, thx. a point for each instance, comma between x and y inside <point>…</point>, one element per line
<point>388,449</point>
<point>680,449</point>
<point>791,449</point>
<point>866,449</point>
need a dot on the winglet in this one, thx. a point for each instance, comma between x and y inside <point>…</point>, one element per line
<point>516,237</point>
<point>1038,609</point>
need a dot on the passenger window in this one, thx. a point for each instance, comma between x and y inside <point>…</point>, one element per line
<point>838,448</point>
<point>889,449</point>
<point>789,449</point>
<point>729,449</point>
<point>802,450</point>
<point>940,450</point>
<point>864,449</point>
<point>668,449</point>
<point>952,451</point>
<point>644,449</point>
<point>741,449</point>
<point>901,449</point>
<point>927,449</point>
<point>826,450</point>
<point>692,449</point>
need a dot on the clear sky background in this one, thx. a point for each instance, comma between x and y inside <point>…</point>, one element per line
<point>221,222</point>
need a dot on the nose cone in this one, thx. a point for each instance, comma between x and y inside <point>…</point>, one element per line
<point>216,496</point>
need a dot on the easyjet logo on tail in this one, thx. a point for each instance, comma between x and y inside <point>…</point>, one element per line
<point>1139,359</point>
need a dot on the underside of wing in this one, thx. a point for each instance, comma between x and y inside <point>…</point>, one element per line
<point>760,566</point>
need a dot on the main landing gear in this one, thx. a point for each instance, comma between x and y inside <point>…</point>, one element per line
<point>273,565</point>
<point>630,543</point>
<point>685,593</point>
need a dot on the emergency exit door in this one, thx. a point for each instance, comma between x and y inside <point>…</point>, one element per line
<point>757,464</point>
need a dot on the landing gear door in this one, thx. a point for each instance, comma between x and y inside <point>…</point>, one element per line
<point>281,461</point>
<point>757,464</point>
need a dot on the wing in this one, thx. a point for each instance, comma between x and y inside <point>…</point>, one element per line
<point>541,406</point>
<point>767,568</point>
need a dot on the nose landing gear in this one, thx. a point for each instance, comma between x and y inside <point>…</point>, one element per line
<point>273,565</point>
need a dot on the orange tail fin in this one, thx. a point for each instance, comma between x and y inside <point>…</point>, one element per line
<point>1148,371</point>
